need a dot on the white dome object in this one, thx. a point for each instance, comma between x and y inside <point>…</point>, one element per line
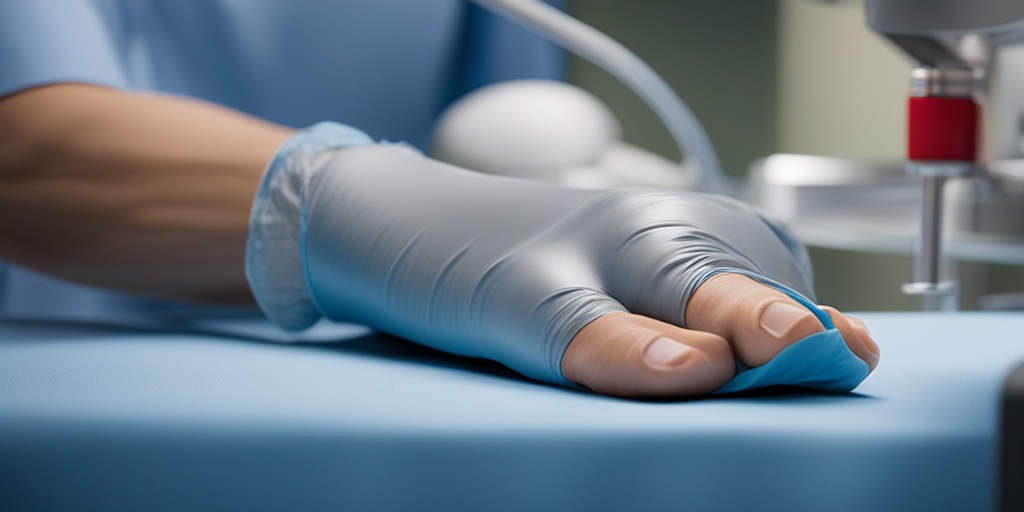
<point>530,128</point>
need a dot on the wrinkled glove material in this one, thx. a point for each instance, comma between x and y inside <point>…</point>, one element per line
<point>511,270</point>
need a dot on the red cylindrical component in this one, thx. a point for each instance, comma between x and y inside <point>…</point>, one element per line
<point>940,128</point>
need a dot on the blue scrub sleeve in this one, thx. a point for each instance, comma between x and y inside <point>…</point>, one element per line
<point>43,42</point>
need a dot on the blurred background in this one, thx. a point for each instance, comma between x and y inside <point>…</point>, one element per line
<point>776,76</point>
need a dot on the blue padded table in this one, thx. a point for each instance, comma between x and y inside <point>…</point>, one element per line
<point>113,418</point>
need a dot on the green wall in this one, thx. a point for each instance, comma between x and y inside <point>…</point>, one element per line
<point>719,55</point>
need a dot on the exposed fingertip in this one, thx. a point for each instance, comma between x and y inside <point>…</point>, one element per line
<point>861,330</point>
<point>857,336</point>
<point>859,325</point>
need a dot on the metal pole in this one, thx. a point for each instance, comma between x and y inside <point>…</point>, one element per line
<point>929,243</point>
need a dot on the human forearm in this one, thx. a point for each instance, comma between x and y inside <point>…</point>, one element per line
<point>142,193</point>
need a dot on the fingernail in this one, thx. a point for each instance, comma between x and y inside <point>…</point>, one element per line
<point>873,347</point>
<point>666,352</point>
<point>779,318</point>
<point>857,325</point>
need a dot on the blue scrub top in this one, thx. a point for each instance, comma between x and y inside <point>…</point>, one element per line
<point>388,67</point>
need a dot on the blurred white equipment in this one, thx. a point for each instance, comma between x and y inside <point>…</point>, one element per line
<point>549,131</point>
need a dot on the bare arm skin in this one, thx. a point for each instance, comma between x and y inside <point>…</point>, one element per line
<point>142,193</point>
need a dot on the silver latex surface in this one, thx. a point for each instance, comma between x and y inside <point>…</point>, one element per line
<point>509,269</point>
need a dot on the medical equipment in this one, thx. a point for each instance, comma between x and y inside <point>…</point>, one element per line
<point>550,131</point>
<point>536,129</point>
<point>965,50</point>
<point>964,147</point>
<point>972,62</point>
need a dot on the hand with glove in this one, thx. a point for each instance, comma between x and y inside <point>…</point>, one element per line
<point>635,292</point>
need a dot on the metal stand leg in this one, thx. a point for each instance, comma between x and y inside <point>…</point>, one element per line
<point>936,295</point>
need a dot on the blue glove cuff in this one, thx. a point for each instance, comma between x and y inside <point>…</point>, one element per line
<point>273,256</point>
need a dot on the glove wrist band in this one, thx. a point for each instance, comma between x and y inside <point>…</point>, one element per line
<point>274,267</point>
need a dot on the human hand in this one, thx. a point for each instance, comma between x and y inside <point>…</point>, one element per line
<point>630,291</point>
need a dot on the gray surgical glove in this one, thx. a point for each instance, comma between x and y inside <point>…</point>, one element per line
<point>484,266</point>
